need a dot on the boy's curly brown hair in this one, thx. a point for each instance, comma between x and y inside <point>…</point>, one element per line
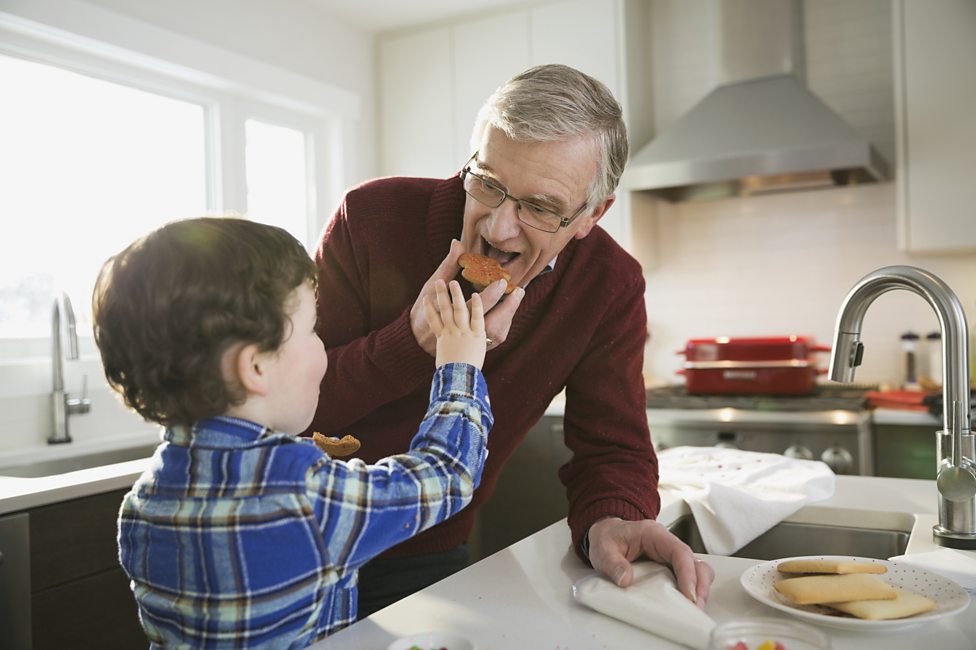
<point>169,305</point>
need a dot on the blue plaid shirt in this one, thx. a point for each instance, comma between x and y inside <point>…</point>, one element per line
<point>241,537</point>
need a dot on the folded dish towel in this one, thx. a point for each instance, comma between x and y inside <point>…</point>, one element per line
<point>652,603</point>
<point>959,566</point>
<point>736,496</point>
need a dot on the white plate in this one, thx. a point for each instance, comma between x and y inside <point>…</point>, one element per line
<point>432,641</point>
<point>949,597</point>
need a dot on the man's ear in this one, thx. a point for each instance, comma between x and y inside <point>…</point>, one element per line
<point>594,215</point>
<point>249,364</point>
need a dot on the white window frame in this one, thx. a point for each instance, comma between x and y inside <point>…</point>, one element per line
<point>232,88</point>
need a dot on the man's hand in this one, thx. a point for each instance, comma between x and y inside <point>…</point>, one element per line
<point>498,317</point>
<point>615,543</point>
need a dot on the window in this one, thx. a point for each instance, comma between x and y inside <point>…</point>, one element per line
<point>97,163</point>
<point>91,165</point>
<point>277,184</point>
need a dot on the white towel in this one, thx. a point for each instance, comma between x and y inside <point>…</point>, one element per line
<point>736,496</point>
<point>652,602</point>
<point>959,566</point>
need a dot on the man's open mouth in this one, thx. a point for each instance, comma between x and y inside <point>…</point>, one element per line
<point>500,256</point>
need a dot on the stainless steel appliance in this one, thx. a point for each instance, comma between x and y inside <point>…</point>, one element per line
<point>829,424</point>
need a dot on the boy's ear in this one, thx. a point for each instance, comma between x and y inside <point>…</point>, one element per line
<point>248,364</point>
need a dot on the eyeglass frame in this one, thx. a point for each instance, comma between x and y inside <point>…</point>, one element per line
<point>563,221</point>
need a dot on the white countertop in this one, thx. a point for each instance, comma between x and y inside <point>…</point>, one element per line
<point>23,493</point>
<point>520,598</point>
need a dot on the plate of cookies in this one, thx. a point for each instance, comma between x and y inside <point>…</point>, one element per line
<point>854,592</point>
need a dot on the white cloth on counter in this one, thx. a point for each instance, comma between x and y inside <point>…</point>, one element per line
<point>959,566</point>
<point>652,602</point>
<point>736,496</point>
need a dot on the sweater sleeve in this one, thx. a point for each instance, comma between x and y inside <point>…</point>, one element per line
<point>372,366</point>
<point>366,509</point>
<point>613,471</point>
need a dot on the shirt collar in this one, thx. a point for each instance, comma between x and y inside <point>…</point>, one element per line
<point>220,431</point>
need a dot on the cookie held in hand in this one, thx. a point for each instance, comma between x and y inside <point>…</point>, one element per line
<point>336,446</point>
<point>481,271</point>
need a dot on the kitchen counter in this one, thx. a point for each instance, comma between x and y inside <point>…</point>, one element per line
<point>24,493</point>
<point>521,597</point>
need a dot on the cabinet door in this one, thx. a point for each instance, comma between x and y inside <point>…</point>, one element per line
<point>417,107</point>
<point>487,53</point>
<point>935,99</point>
<point>583,34</point>
<point>80,596</point>
<point>529,495</point>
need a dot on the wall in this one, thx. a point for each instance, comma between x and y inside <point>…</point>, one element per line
<point>782,264</point>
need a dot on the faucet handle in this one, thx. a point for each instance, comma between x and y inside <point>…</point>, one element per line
<point>79,405</point>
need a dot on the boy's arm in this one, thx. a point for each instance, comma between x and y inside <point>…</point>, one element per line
<point>365,509</point>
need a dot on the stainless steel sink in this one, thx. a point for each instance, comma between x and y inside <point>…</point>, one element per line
<point>54,466</point>
<point>819,531</point>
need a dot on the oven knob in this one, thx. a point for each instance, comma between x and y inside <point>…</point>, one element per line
<point>798,451</point>
<point>838,459</point>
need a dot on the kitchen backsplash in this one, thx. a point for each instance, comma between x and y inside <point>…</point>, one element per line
<point>782,265</point>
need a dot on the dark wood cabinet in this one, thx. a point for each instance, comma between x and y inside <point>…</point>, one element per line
<point>80,596</point>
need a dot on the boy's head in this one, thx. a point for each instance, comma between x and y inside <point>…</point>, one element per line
<point>191,319</point>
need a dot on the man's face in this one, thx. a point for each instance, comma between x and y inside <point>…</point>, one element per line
<point>553,174</point>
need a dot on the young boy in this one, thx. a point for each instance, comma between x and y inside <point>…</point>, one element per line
<point>241,534</point>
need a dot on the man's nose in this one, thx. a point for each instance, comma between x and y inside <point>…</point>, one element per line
<point>503,222</point>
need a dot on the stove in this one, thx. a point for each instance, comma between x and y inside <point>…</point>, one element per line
<point>830,423</point>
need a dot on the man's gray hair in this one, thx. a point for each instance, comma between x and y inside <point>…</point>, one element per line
<point>557,102</point>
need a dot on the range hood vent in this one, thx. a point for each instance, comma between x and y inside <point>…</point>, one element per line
<point>756,135</point>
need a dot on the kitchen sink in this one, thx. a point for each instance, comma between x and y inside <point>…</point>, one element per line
<point>819,531</point>
<point>54,466</point>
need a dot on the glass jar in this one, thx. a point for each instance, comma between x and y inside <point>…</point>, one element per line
<point>765,633</point>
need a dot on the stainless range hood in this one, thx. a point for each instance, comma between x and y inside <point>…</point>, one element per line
<point>760,133</point>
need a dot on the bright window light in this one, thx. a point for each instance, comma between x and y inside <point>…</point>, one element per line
<point>276,177</point>
<point>87,167</point>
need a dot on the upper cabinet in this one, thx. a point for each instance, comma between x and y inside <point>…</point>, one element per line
<point>935,96</point>
<point>433,81</point>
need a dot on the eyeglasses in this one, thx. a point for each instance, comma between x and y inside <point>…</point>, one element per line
<point>530,213</point>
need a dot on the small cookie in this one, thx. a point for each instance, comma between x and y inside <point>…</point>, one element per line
<point>830,566</point>
<point>481,271</point>
<point>903,605</point>
<point>336,446</point>
<point>816,590</point>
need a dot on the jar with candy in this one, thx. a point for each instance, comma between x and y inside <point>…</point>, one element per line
<point>767,634</point>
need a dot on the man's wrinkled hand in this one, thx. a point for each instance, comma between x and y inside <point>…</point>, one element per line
<point>615,543</point>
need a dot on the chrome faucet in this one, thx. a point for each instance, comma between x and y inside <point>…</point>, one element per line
<point>62,403</point>
<point>956,455</point>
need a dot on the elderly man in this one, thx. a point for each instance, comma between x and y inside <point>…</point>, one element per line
<point>548,149</point>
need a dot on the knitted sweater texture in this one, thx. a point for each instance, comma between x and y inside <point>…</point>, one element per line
<point>580,327</point>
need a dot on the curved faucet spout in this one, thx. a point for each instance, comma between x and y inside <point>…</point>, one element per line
<point>956,480</point>
<point>847,349</point>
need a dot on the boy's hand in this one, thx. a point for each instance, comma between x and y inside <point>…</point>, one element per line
<point>460,336</point>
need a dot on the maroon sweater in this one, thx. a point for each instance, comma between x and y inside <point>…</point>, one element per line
<point>581,326</point>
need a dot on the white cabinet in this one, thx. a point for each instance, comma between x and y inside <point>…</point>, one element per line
<point>433,81</point>
<point>584,34</point>
<point>487,52</point>
<point>417,105</point>
<point>935,98</point>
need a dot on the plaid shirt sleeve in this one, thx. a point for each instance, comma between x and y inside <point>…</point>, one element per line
<point>366,509</point>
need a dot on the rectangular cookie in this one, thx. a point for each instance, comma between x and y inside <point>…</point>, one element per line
<point>904,604</point>
<point>819,589</point>
<point>830,566</point>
